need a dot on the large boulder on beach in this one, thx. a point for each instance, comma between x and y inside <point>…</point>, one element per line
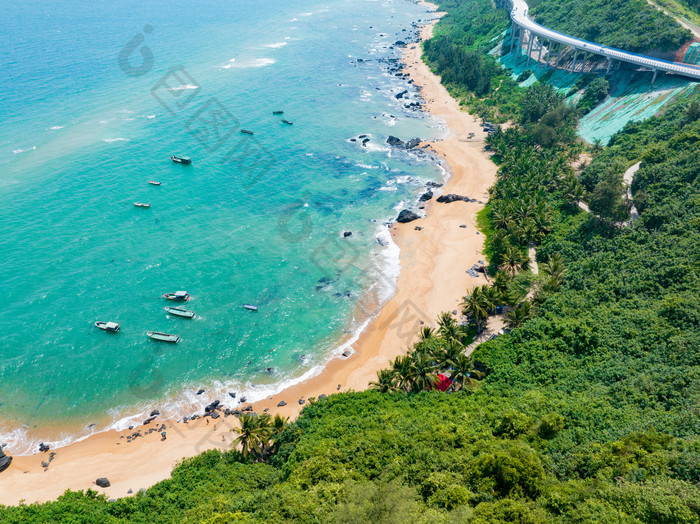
<point>44,447</point>
<point>407,216</point>
<point>447,199</point>
<point>426,196</point>
<point>5,461</point>
<point>103,482</point>
<point>394,142</point>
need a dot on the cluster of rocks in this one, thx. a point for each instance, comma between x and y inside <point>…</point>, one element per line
<point>480,267</point>
<point>400,144</point>
<point>139,433</point>
<point>448,199</point>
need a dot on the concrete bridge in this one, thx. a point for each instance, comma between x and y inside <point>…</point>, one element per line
<point>524,29</point>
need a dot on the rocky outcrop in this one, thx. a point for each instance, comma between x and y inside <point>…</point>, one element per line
<point>400,144</point>
<point>447,199</point>
<point>407,216</point>
<point>426,196</point>
<point>5,461</point>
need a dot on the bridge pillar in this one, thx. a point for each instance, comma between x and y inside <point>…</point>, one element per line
<point>607,71</point>
<point>512,36</point>
<point>556,61</point>
<point>654,78</point>
<point>529,50</point>
<point>573,66</point>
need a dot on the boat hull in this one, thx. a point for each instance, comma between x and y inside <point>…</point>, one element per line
<point>184,313</point>
<point>163,337</point>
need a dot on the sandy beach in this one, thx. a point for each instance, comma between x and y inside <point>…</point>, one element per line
<point>433,278</point>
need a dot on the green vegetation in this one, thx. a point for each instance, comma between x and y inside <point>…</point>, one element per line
<point>632,25</point>
<point>586,411</point>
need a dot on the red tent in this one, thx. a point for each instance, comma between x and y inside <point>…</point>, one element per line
<point>444,382</point>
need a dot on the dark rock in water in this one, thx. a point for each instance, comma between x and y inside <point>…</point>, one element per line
<point>347,234</point>
<point>212,406</point>
<point>433,184</point>
<point>414,142</point>
<point>281,403</point>
<point>399,43</point>
<point>426,196</point>
<point>103,482</point>
<point>322,396</point>
<point>200,392</point>
<point>44,447</point>
<point>364,142</point>
<point>131,427</point>
<point>243,399</point>
<point>215,415</point>
<point>155,413</point>
<point>446,199</point>
<point>361,136</point>
<point>232,395</point>
<point>401,94</point>
<point>394,142</point>
<point>407,216</point>
<point>149,420</point>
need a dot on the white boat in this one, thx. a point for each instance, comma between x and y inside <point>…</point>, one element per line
<point>107,326</point>
<point>178,295</point>
<point>251,307</point>
<point>154,182</point>
<point>180,312</point>
<point>163,337</point>
<point>141,204</point>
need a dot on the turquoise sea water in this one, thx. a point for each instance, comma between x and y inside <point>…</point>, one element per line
<point>255,219</point>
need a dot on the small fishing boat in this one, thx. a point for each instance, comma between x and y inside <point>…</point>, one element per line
<point>154,183</point>
<point>287,122</point>
<point>247,131</point>
<point>180,312</point>
<point>141,204</point>
<point>278,112</point>
<point>181,159</point>
<point>163,337</point>
<point>107,326</point>
<point>251,307</point>
<point>178,295</point>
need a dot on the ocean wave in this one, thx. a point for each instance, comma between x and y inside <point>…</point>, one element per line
<point>275,46</point>
<point>253,62</point>
<point>150,117</point>
<point>55,128</point>
<point>117,139</point>
<point>185,87</point>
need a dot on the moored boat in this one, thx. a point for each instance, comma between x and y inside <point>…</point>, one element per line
<point>107,326</point>
<point>251,307</point>
<point>278,112</point>
<point>141,204</point>
<point>154,183</point>
<point>181,159</point>
<point>178,295</point>
<point>247,131</point>
<point>284,121</point>
<point>163,337</point>
<point>180,312</point>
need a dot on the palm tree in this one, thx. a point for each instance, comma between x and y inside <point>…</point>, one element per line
<point>422,375</point>
<point>426,333</point>
<point>254,434</point>
<point>401,367</point>
<point>464,373</point>
<point>554,266</point>
<point>386,381</point>
<point>517,316</point>
<point>477,306</point>
<point>448,354</point>
<point>513,260</point>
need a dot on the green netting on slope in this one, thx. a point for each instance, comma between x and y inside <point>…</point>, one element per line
<point>632,98</point>
<point>692,55</point>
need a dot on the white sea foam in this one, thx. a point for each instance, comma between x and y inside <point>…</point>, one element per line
<point>253,62</point>
<point>276,45</point>
<point>20,150</point>
<point>150,117</point>
<point>117,139</point>
<point>55,128</point>
<point>184,87</point>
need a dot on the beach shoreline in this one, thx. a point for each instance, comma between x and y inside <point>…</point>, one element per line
<point>433,278</point>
